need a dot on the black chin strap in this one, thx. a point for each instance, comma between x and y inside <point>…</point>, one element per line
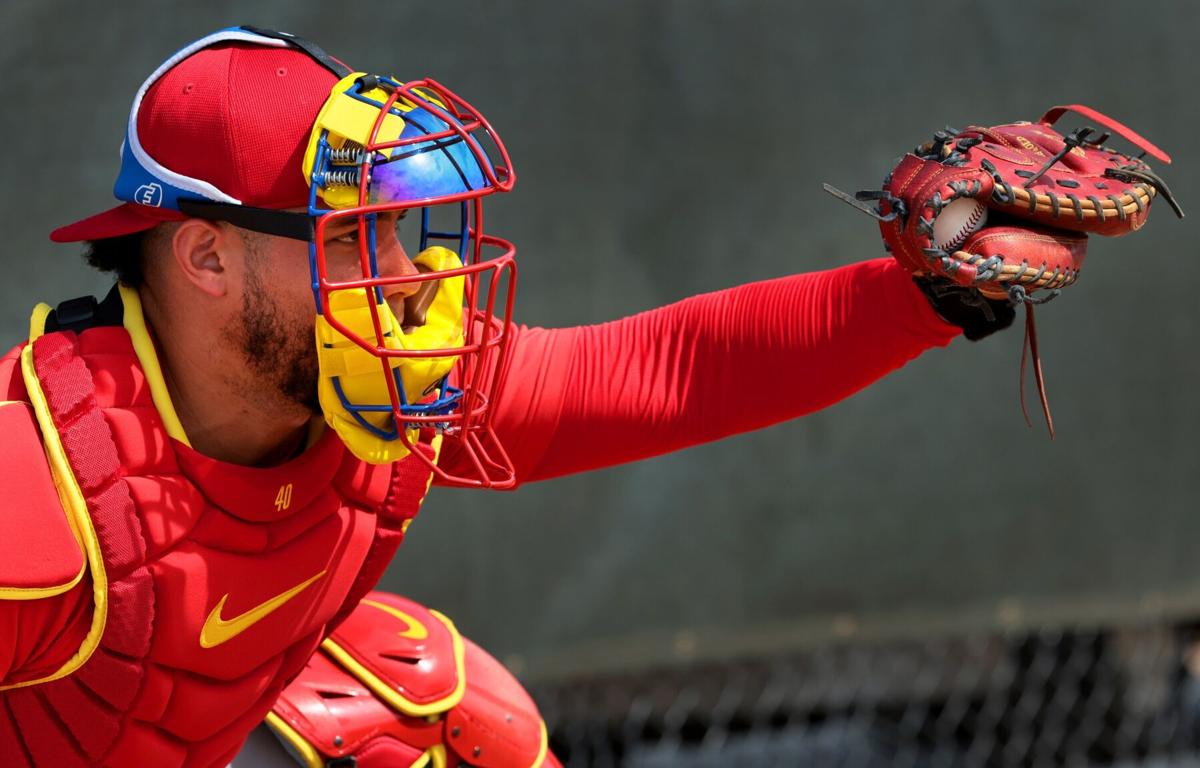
<point>311,48</point>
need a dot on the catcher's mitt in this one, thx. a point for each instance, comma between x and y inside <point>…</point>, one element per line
<point>1004,212</point>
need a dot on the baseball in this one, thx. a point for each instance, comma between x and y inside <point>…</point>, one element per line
<point>957,221</point>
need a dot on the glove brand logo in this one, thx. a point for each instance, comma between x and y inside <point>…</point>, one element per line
<point>149,194</point>
<point>1030,147</point>
<point>414,630</point>
<point>217,630</point>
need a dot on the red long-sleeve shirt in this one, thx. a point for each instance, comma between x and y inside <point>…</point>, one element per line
<point>593,396</point>
<point>707,367</point>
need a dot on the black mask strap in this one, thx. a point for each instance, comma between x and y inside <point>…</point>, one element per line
<point>311,48</point>
<point>293,225</point>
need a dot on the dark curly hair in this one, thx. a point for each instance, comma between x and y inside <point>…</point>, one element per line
<point>124,256</point>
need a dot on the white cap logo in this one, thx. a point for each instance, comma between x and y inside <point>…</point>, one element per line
<point>149,194</point>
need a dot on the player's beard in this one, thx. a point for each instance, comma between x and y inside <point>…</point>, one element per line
<point>277,345</point>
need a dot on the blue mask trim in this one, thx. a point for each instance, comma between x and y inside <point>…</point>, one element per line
<point>444,405</point>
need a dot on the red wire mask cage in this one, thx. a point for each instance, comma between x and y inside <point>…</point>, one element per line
<point>413,352</point>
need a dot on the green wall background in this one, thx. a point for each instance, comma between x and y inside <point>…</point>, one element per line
<point>670,147</point>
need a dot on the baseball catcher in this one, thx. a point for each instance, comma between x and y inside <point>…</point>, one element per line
<point>206,472</point>
<point>987,219</point>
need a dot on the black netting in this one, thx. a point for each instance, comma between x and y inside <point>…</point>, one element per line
<point>1082,697</point>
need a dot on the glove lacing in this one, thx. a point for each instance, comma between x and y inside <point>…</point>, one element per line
<point>1017,295</point>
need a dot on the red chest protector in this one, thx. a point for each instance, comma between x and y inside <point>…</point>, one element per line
<point>208,586</point>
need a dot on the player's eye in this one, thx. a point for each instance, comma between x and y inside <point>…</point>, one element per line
<point>350,236</point>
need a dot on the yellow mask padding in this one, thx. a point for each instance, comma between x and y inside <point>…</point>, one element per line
<point>346,118</point>
<point>360,374</point>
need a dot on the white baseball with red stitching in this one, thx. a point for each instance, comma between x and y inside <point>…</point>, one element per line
<point>957,221</point>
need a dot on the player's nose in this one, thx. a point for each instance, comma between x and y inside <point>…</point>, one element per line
<point>409,300</point>
<point>392,261</point>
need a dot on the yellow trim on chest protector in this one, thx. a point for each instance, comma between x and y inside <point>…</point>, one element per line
<point>360,374</point>
<point>134,320</point>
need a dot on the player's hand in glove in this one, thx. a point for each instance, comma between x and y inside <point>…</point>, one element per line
<point>988,217</point>
<point>976,314</point>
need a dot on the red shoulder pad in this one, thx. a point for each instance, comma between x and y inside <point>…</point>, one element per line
<point>410,656</point>
<point>39,554</point>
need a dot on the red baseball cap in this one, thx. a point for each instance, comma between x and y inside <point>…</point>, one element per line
<point>225,119</point>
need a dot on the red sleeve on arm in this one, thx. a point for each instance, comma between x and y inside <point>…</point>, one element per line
<point>708,367</point>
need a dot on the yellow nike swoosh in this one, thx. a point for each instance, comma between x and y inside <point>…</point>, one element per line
<point>414,630</point>
<point>217,630</point>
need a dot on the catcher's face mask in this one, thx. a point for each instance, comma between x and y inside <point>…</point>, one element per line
<point>405,353</point>
<point>415,353</point>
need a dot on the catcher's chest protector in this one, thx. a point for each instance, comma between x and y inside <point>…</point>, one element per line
<point>211,584</point>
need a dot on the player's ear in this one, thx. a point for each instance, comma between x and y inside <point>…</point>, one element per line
<point>202,251</point>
